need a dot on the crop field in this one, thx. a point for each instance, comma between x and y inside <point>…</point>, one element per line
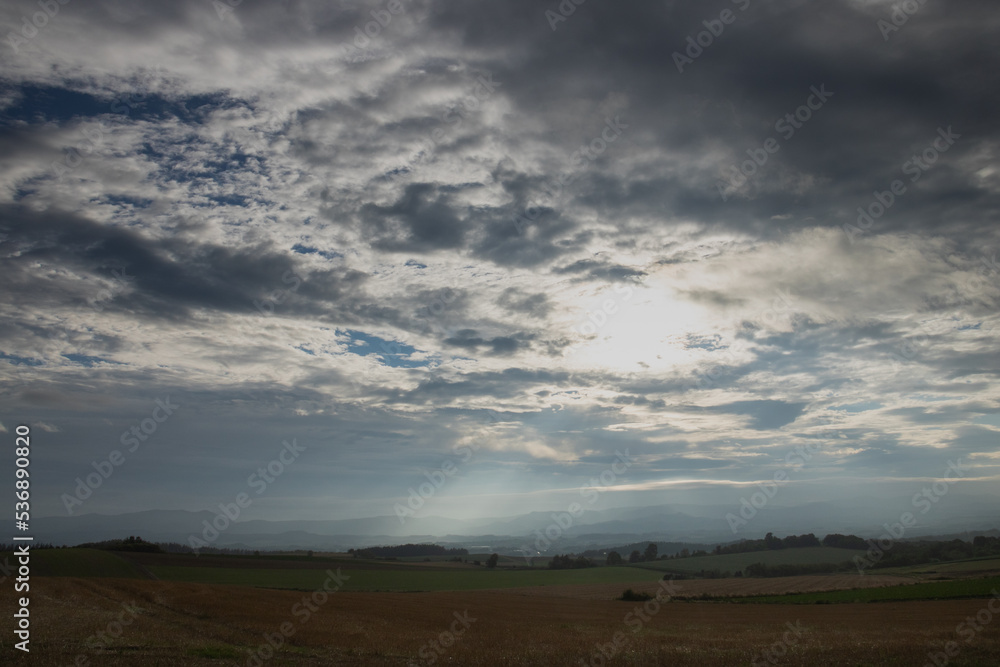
<point>308,574</point>
<point>174,623</point>
<point>977,566</point>
<point>412,579</point>
<point>77,562</point>
<point>734,562</point>
<point>723,588</point>
<point>933,590</point>
<point>504,561</point>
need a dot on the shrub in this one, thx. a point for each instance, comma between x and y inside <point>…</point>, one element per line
<point>628,595</point>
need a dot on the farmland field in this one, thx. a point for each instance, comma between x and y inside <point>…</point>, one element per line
<point>205,624</point>
<point>734,562</point>
<point>695,588</point>
<point>74,562</point>
<point>974,566</point>
<point>308,574</point>
<point>219,610</point>
<point>935,590</point>
<point>412,579</point>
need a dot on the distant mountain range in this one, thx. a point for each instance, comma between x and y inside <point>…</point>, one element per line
<point>594,529</point>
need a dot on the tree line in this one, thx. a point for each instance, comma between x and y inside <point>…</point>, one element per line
<point>406,551</point>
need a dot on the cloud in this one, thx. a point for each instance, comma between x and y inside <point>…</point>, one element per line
<point>367,244</point>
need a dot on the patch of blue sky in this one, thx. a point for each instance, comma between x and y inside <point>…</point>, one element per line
<point>89,361</point>
<point>46,104</point>
<point>21,361</point>
<point>392,353</point>
<point>309,250</point>
<point>710,343</point>
<point>122,200</point>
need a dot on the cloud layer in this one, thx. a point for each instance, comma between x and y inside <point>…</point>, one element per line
<point>709,234</point>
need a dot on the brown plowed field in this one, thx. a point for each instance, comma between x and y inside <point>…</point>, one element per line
<point>193,624</point>
<point>690,588</point>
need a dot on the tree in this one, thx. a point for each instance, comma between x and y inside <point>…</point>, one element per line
<point>844,541</point>
<point>614,558</point>
<point>650,553</point>
<point>635,556</point>
<point>491,562</point>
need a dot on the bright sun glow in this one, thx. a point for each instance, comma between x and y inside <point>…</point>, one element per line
<point>634,328</point>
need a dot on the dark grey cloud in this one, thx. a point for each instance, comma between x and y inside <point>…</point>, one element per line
<point>535,305</point>
<point>166,278</point>
<point>766,414</point>
<point>422,219</point>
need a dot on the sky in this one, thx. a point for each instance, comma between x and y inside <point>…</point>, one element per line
<point>495,246</point>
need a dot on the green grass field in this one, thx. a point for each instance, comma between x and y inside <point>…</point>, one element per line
<point>934,590</point>
<point>504,561</point>
<point>414,579</point>
<point>734,562</point>
<point>957,568</point>
<point>82,563</point>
